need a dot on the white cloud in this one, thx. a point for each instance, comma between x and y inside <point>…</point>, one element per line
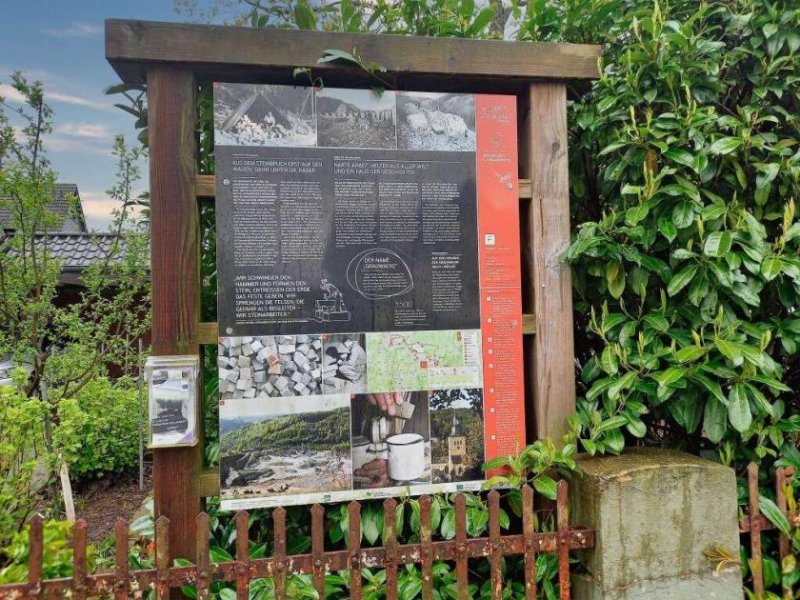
<point>66,143</point>
<point>92,131</point>
<point>85,138</point>
<point>98,209</point>
<point>77,101</point>
<point>10,94</point>
<point>76,29</point>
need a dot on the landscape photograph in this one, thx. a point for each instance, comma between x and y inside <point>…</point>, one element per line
<point>297,445</point>
<point>356,119</point>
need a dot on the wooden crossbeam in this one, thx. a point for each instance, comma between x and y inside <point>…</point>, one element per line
<point>244,53</point>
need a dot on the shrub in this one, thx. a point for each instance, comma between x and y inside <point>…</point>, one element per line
<point>57,536</point>
<point>97,431</point>
<point>685,159</point>
<point>21,450</point>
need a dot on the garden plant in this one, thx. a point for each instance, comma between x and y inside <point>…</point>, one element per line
<point>62,408</point>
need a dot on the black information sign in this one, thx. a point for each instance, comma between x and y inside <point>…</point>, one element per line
<point>339,240</point>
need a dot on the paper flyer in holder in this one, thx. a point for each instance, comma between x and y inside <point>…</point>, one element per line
<point>173,400</point>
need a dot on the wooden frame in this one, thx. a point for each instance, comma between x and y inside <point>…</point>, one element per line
<point>173,58</point>
<point>247,54</point>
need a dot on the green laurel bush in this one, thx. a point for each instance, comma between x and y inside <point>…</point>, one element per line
<point>685,171</point>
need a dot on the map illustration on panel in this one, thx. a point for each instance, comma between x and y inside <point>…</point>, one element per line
<point>423,360</point>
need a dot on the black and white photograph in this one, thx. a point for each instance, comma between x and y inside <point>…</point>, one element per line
<point>344,363</point>
<point>391,439</point>
<point>284,446</point>
<point>269,366</point>
<point>356,119</point>
<point>457,430</point>
<point>264,115</point>
<point>435,121</point>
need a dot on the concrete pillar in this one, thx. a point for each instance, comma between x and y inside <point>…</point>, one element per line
<point>654,512</point>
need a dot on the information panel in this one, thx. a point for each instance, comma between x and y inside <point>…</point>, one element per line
<point>369,292</point>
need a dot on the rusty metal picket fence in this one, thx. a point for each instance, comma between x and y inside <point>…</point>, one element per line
<point>754,523</point>
<point>123,583</point>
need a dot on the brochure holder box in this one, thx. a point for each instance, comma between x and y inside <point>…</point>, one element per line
<point>173,400</point>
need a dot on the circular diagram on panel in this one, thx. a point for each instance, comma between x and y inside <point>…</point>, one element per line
<point>378,274</point>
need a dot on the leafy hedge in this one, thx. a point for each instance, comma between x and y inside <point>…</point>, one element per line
<point>21,430</point>
<point>96,432</point>
<point>685,171</point>
<point>98,429</point>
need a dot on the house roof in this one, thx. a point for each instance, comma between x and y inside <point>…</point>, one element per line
<point>70,214</point>
<point>76,251</point>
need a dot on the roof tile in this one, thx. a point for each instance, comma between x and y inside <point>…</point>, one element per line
<point>60,206</point>
<point>77,251</point>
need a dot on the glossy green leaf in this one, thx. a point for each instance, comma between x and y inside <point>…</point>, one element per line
<point>681,156</point>
<point>667,229</point>
<point>608,360</point>
<point>715,420</point>
<point>739,413</point>
<point>681,279</point>
<point>689,354</point>
<point>615,278</point>
<point>771,267</point>
<point>718,243</point>
<point>774,514</point>
<point>620,384</point>
<point>546,486</point>
<point>683,214</point>
<point>636,214</point>
<point>615,441</point>
<point>669,376</point>
<point>448,526</point>
<point>725,145</point>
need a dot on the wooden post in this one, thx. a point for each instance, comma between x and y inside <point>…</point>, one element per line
<point>551,375</point>
<point>174,229</point>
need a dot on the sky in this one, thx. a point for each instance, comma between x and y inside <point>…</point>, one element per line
<point>61,43</point>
